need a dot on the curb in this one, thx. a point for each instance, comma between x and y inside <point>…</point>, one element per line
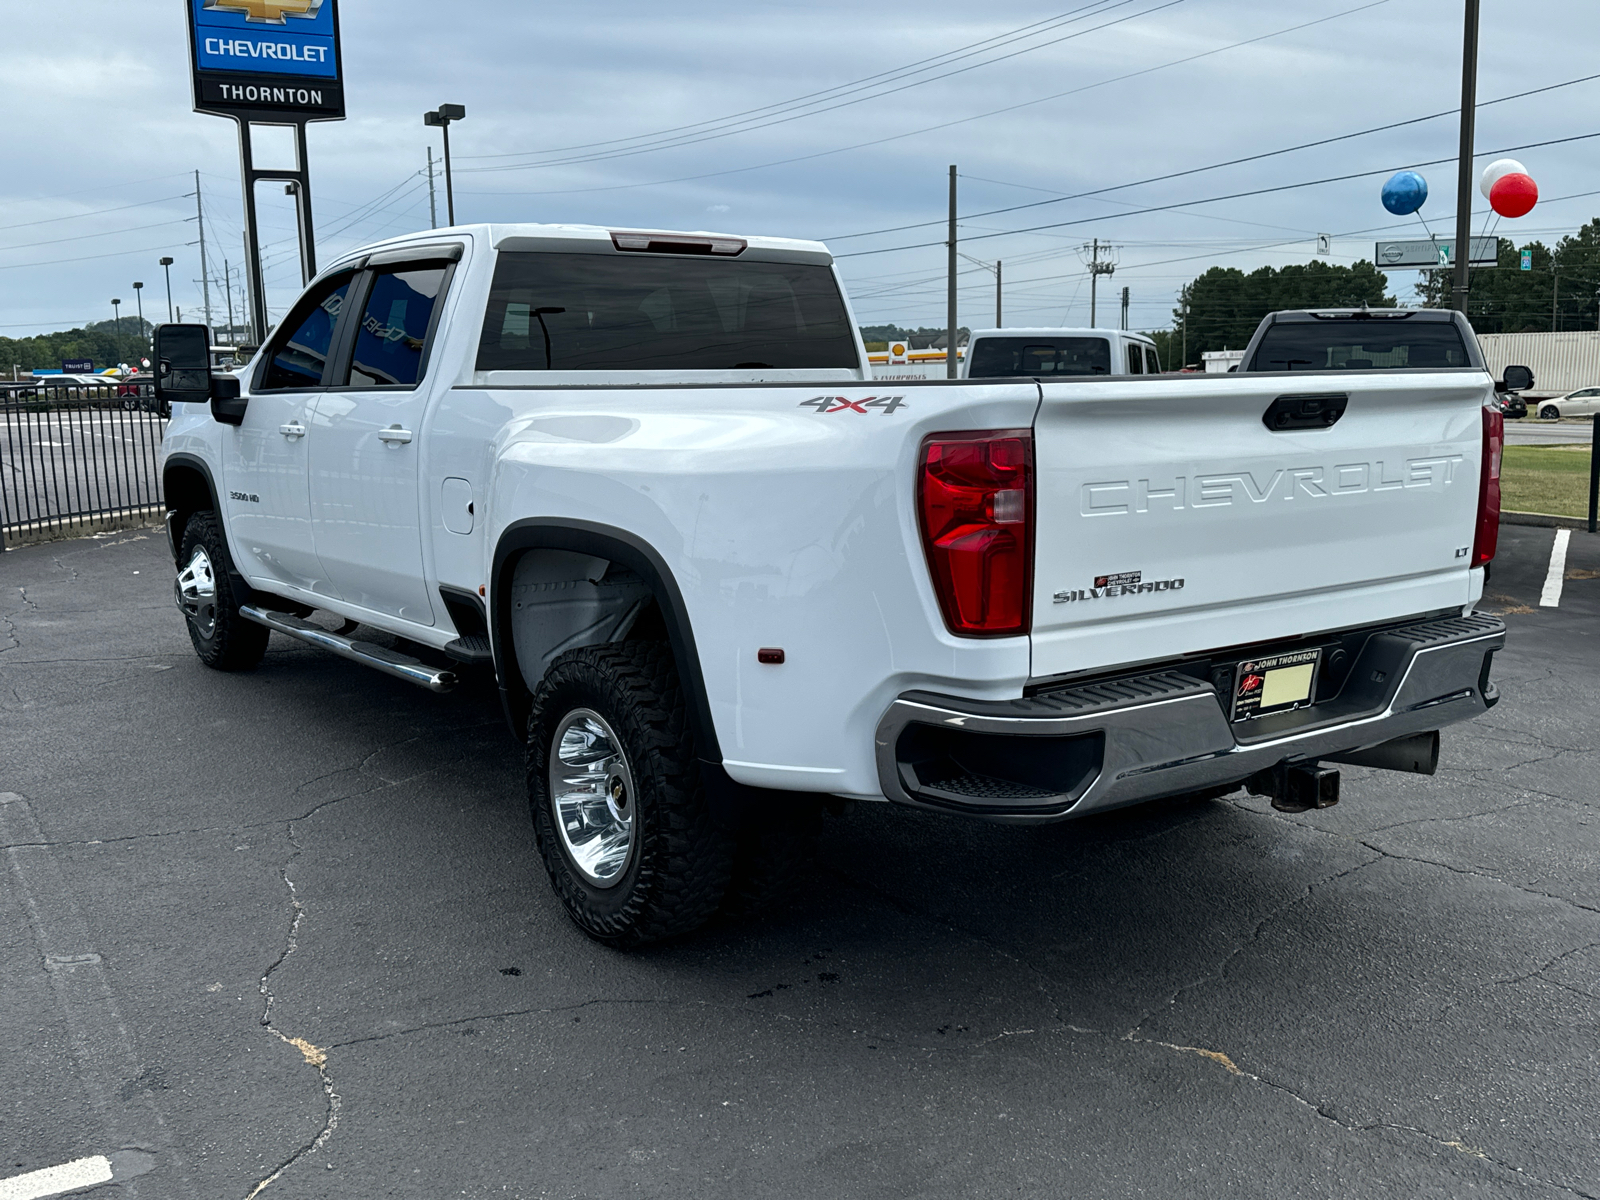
<point>55,529</point>
<point>1545,520</point>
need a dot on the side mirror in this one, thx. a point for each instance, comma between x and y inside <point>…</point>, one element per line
<point>182,356</point>
<point>182,372</point>
<point>1518,379</point>
<point>227,406</point>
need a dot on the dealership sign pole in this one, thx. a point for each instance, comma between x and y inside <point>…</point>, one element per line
<point>268,62</point>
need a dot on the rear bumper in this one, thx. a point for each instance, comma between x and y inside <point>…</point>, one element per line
<point>1098,746</point>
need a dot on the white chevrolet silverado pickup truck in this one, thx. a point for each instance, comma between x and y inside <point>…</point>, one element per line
<point>724,581</point>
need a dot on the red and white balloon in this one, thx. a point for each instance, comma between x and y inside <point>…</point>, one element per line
<point>1509,188</point>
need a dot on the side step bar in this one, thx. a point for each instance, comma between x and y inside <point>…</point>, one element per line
<point>379,659</point>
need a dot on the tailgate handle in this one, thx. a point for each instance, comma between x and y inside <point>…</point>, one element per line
<point>1319,411</point>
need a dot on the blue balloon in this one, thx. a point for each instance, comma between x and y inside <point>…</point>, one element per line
<point>1405,193</point>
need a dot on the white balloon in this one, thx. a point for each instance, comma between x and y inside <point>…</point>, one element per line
<point>1493,172</point>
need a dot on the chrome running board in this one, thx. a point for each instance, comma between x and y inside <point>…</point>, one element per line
<point>389,662</point>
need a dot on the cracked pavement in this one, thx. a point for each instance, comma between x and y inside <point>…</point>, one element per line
<point>315,899</point>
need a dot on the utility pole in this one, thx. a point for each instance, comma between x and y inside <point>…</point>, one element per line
<point>166,265</point>
<point>1097,268</point>
<point>1555,292</point>
<point>249,303</point>
<point>1124,309</point>
<point>1469,105</point>
<point>433,208</point>
<point>950,299</point>
<point>227,282</point>
<point>200,220</point>
<point>1185,360</point>
<point>998,323</point>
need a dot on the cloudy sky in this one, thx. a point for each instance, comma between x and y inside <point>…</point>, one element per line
<point>823,119</point>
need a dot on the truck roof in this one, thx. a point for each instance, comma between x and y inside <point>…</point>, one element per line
<point>497,233</point>
<point>1345,314</point>
<point>1056,330</point>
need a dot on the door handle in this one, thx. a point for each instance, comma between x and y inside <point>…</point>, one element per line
<point>292,430</point>
<point>394,435</point>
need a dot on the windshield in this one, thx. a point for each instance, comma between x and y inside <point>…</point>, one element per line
<point>1005,357</point>
<point>635,312</point>
<point>1359,345</point>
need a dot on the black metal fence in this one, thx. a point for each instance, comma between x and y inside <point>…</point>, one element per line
<point>73,457</point>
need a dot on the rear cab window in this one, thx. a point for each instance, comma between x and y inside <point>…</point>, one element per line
<point>392,337</point>
<point>1359,344</point>
<point>1012,357</point>
<point>603,311</point>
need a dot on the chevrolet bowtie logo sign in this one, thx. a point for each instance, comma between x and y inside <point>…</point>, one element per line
<point>268,12</point>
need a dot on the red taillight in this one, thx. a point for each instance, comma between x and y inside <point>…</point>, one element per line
<point>1488,534</point>
<point>975,499</point>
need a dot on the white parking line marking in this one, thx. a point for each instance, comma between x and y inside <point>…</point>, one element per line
<point>1551,596</point>
<point>52,1181</point>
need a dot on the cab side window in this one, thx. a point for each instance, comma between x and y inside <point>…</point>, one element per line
<point>1135,359</point>
<point>300,347</point>
<point>394,325</point>
<point>1152,364</point>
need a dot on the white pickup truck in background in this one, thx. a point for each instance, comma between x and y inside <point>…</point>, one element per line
<point>1047,353</point>
<point>723,580</point>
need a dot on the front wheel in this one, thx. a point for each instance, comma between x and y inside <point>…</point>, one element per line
<point>1550,412</point>
<point>222,638</point>
<point>619,812</point>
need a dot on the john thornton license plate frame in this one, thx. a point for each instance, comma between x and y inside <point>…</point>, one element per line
<point>1275,683</point>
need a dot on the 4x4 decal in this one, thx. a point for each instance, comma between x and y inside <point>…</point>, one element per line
<point>833,404</point>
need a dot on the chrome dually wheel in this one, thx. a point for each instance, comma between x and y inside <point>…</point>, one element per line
<point>210,602</point>
<point>592,796</point>
<point>620,813</point>
<point>196,592</point>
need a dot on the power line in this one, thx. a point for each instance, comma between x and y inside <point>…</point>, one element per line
<point>89,257</point>
<point>1286,187</point>
<point>932,128</point>
<point>1232,162</point>
<point>85,236</point>
<point>809,98</point>
<point>94,213</point>
<point>687,140</point>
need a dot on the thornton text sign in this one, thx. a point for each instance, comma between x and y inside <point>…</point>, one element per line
<point>267,59</point>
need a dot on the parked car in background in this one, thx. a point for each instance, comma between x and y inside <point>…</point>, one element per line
<point>1582,403</point>
<point>45,383</point>
<point>1512,406</point>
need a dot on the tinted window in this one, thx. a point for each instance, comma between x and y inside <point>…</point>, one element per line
<point>1152,364</point>
<point>1358,345</point>
<point>394,326</point>
<point>599,312</point>
<point>299,355</point>
<point>1135,358</point>
<point>1011,356</point>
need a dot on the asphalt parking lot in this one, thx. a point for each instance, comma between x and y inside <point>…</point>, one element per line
<point>290,926</point>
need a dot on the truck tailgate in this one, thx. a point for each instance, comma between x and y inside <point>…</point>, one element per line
<point>1172,520</point>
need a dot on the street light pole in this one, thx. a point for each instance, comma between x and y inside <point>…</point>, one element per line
<point>116,315</point>
<point>1469,106</point>
<point>138,295</point>
<point>441,118</point>
<point>166,265</point>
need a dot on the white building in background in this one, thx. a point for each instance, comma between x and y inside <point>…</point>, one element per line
<point>1561,362</point>
<point>1220,362</point>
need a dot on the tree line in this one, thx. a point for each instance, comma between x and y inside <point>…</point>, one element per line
<point>1220,308</point>
<point>99,341</point>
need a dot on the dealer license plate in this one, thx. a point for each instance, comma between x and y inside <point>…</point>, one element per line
<point>1275,684</point>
